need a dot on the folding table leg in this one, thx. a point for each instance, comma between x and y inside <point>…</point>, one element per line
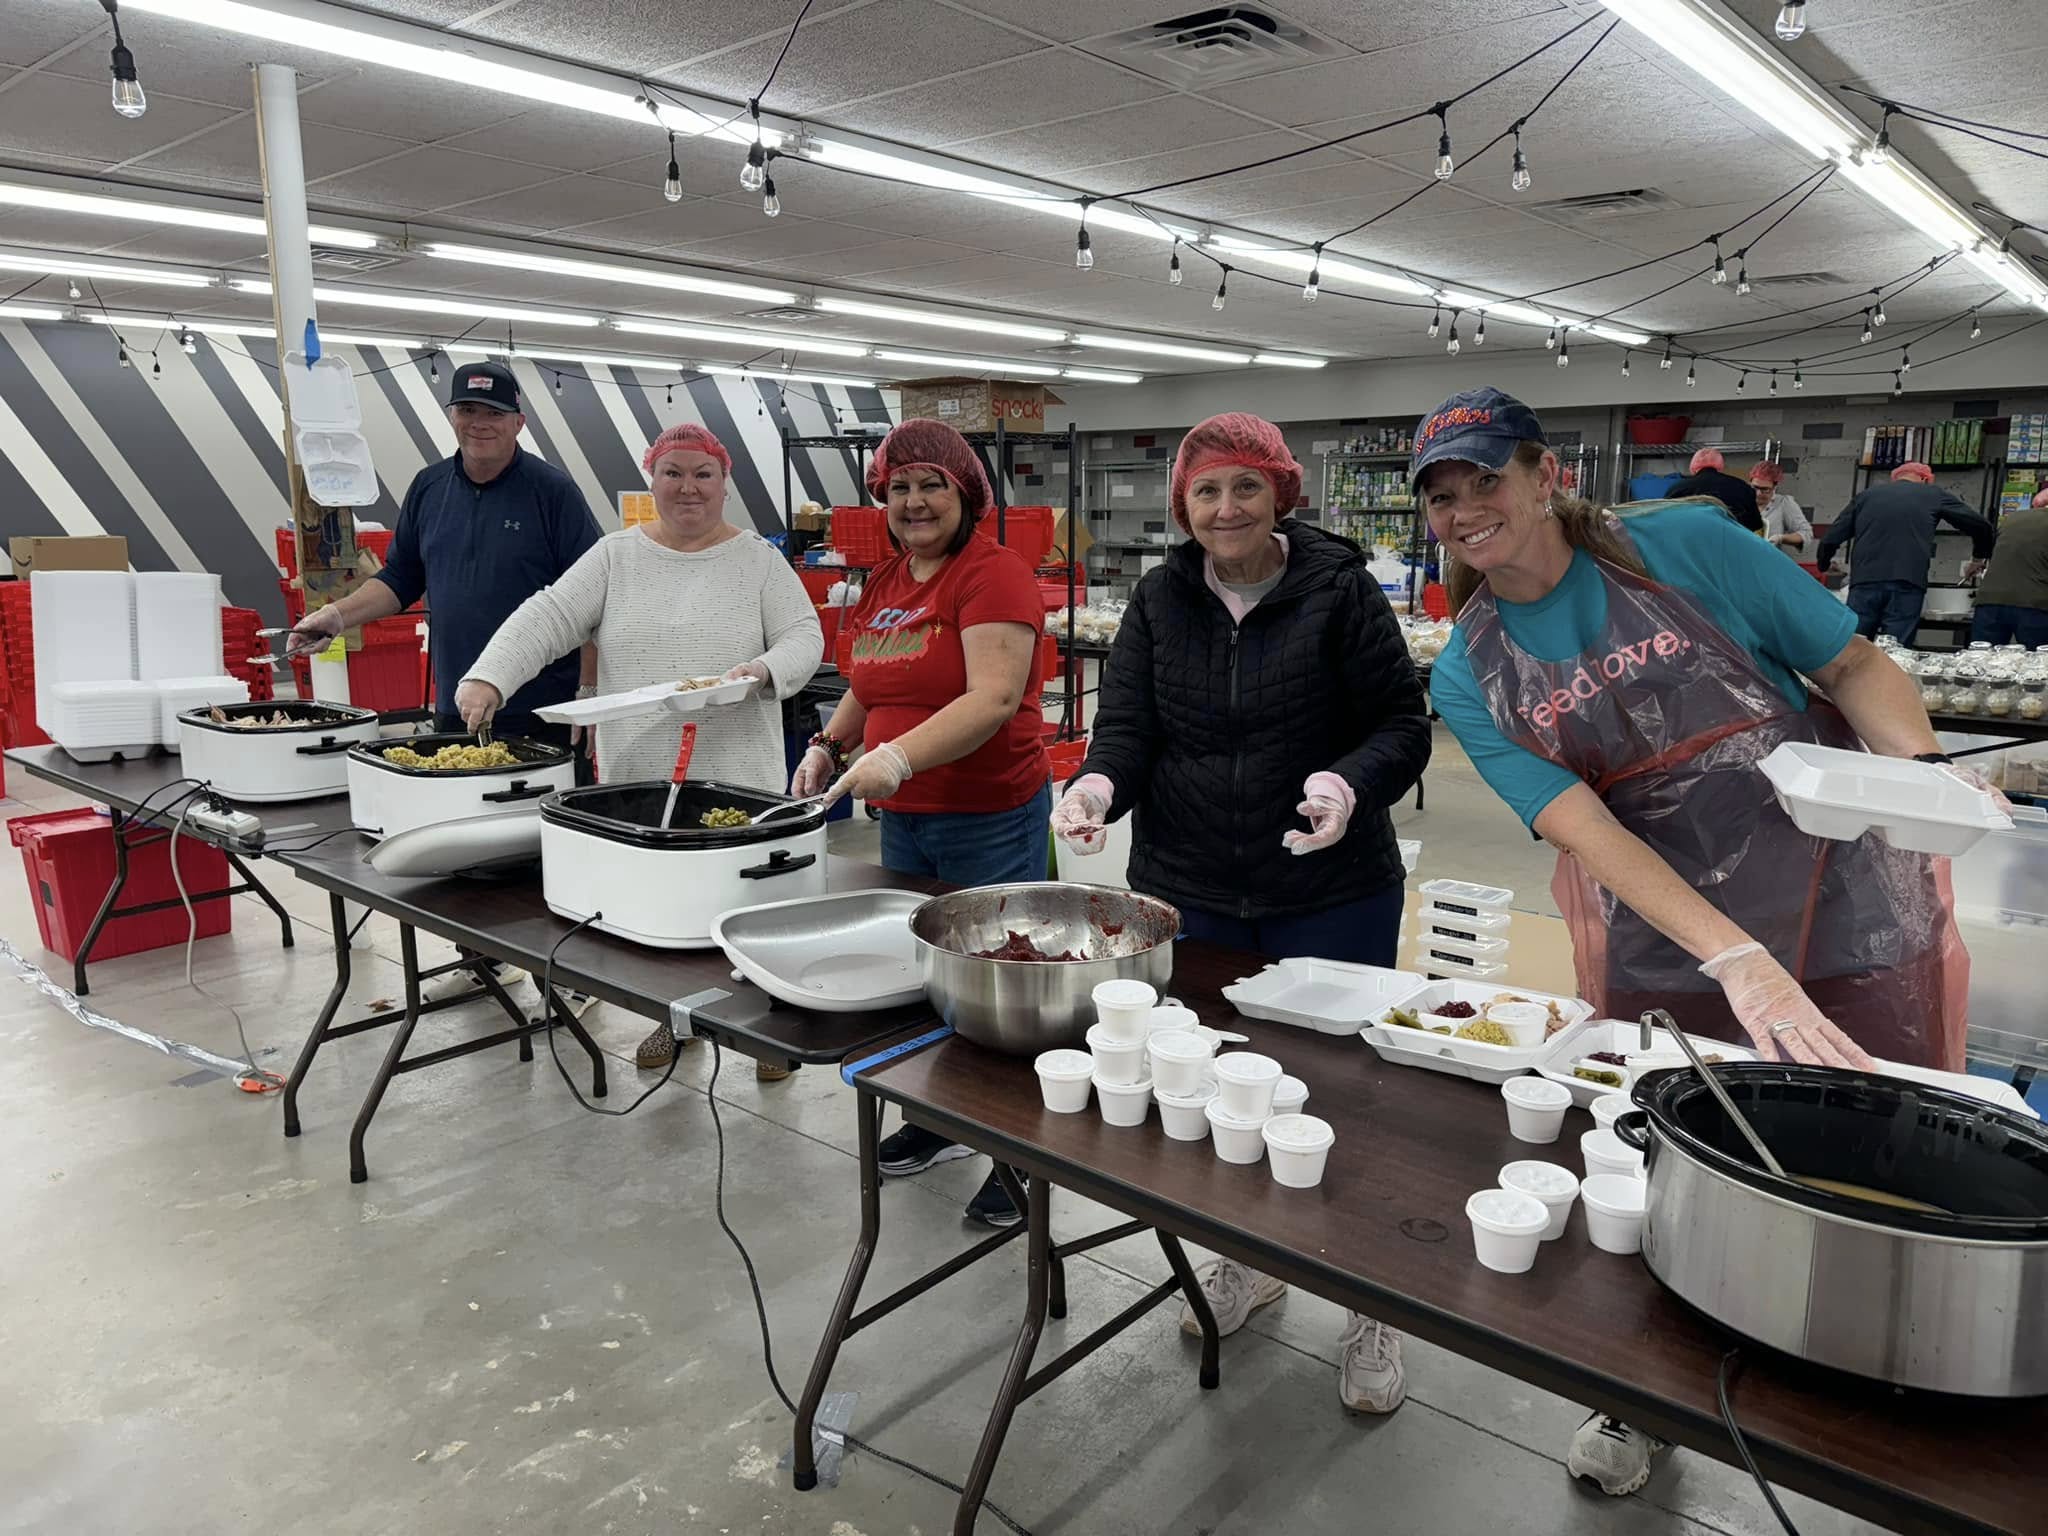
<point>1197,1304</point>
<point>337,914</point>
<point>99,918</point>
<point>487,978</point>
<point>598,1086</point>
<point>1038,1271</point>
<point>868,1111</point>
<point>1057,1288</point>
<point>262,893</point>
<point>358,1170</point>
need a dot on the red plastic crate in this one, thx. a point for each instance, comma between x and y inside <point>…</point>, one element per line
<point>386,676</point>
<point>68,857</point>
<point>819,580</point>
<point>828,621</point>
<point>397,629</point>
<point>842,650</point>
<point>1067,758</point>
<point>1027,530</point>
<point>862,535</point>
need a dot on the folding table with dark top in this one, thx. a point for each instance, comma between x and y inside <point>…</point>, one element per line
<point>1386,1235</point>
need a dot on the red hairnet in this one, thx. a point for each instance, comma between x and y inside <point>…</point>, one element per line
<point>922,443</point>
<point>1706,458</point>
<point>686,435</point>
<point>1767,473</point>
<point>1236,437</point>
<point>1913,469</point>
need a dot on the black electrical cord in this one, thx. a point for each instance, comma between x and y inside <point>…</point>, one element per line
<point>1731,1364</point>
<point>315,843</point>
<point>547,1001</point>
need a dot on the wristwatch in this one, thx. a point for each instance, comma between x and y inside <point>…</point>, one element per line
<point>586,691</point>
<point>1932,757</point>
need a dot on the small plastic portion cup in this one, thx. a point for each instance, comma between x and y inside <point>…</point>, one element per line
<point>1184,1116</point>
<point>1116,1060</point>
<point>1180,1059</point>
<point>1245,1082</point>
<point>1525,1023</point>
<point>1606,1153</point>
<point>1123,1103</point>
<point>1289,1094</point>
<point>1172,1016</point>
<point>1609,1107</point>
<point>1124,1007</point>
<point>1557,1187</point>
<point>1536,1108</point>
<point>1238,1139</point>
<point>1507,1229</point>
<point>1614,1212</point>
<point>1063,1078</point>
<point>1297,1147</point>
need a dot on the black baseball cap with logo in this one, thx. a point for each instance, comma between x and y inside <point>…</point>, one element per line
<point>489,384</point>
<point>1477,426</point>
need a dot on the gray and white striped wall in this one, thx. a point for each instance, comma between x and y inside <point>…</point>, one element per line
<point>188,466</point>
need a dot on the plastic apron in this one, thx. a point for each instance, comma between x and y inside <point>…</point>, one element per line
<point>1668,718</point>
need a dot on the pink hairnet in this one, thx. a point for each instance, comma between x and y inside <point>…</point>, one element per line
<point>922,443</point>
<point>2041,497</point>
<point>1236,437</point>
<point>1767,473</point>
<point>690,436</point>
<point>1706,458</point>
<point>1913,469</point>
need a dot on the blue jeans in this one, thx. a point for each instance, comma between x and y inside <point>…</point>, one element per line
<point>1891,606</point>
<point>2003,623</point>
<point>1366,932</point>
<point>970,847</point>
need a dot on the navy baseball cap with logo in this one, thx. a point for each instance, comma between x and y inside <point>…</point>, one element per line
<point>489,384</point>
<point>1475,426</point>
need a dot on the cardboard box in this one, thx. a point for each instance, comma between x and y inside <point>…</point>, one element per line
<point>811,518</point>
<point>93,552</point>
<point>975,405</point>
<point>1071,539</point>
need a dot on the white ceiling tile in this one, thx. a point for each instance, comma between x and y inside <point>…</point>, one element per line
<point>38,28</point>
<point>435,13</point>
<point>403,105</point>
<point>887,254</point>
<point>691,221</point>
<point>44,114</point>
<point>1020,93</point>
<point>424,178</point>
<point>564,139</point>
<point>816,191</point>
<point>767,241</point>
<point>562,202</point>
<point>1069,20</point>
<point>227,155</point>
<point>640,36</point>
<point>1125,133</point>
<point>198,62</point>
<point>1371,27</point>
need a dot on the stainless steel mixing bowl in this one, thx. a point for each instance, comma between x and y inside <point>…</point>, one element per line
<point>1022,1007</point>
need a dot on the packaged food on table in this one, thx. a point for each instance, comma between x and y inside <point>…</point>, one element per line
<point>1967,683</point>
<point>2033,688</point>
<point>1930,673</point>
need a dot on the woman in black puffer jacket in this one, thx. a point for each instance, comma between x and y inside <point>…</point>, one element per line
<point>1259,714</point>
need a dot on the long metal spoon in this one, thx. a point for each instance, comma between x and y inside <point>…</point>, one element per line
<point>1664,1020</point>
<point>788,805</point>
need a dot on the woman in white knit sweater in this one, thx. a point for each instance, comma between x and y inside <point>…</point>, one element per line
<point>688,595</point>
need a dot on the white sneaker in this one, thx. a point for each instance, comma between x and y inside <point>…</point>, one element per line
<point>1606,1452</point>
<point>578,1003</point>
<point>1234,1292</point>
<point>455,983</point>
<point>1370,1378</point>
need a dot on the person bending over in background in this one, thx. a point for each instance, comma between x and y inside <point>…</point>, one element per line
<point>687,595</point>
<point>1892,527</point>
<point>1785,525</point>
<point>2012,599</point>
<point>1259,714</point>
<point>943,698</point>
<point>1707,475</point>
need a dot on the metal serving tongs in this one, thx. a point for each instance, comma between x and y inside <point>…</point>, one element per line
<point>1664,1020</point>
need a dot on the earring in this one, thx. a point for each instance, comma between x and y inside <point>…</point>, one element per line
<point>1550,508</point>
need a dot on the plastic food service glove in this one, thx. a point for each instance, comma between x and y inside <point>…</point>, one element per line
<point>1327,804</point>
<point>757,670</point>
<point>1976,780</point>
<point>1775,1009</point>
<point>313,632</point>
<point>813,773</point>
<point>476,701</point>
<point>1078,819</point>
<point>880,772</point>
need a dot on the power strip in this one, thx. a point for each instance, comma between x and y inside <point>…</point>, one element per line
<point>218,819</point>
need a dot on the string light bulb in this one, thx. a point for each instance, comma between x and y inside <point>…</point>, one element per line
<point>1174,275</point>
<point>73,292</point>
<point>1976,329</point>
<point>1520,180</point>
<point>1720,274</point>
<point>1564,352</point>
<point>1479,335</point>
<point>129,101</point>
<point>1084,252</point>
<point>1624,364</point>
<point>1898,382</point>
<point>1905,361</point>
<point>558,384</point>
<point>1742,274</point>
<point>671,394</point>
<point>1774,382</point>
<point>1664,362</point>
<point>672,184</point>
<point>188,343</point>
<point>1798,378</point>
<point>122,353</point>
<point>1877,314</point>
<point>1222,291</point>
<point>1881,146</point>
<point>1866,325</point>
<point>1314,285</point>
<point>156,366</point>
<point>1550,341</point>
<point>1791,25</point>
<point>770,203</point>
<point>433,371</point>
<point>1692,375</point>
<point>1741,381</point>
<point>1445,165</point>
<point>1436,320</point>
<point>1451,346</point>
<point>755,172</point>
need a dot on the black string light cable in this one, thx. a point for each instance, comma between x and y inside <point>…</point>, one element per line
<point>1933,118</point>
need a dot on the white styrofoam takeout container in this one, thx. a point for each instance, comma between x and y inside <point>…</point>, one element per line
<point>1473,1058</point>
<point>1834,793</point>
<point>1334,997</point>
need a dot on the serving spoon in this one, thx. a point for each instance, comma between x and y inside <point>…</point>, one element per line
<point>1664,1020</point>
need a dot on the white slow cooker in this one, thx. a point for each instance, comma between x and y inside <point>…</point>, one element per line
<point>603,851</point>
<point>386,798</point>
<point>264,763</point>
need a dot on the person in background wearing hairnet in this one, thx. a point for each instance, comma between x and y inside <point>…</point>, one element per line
<point>1785,525</point>
<point>1707,475</point>
<point>1259,714</point>
<point>687,595</point>
<point>1892,527</point>
<point>943,704</point>
<point>2012,599</point>
<point>1619,681</point>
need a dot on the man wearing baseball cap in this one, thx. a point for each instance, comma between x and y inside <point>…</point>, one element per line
<point>1893,526</point>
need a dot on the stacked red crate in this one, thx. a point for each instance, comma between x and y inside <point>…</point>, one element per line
<point>18,625</point>
<point>68,857</point>
<point>379,676</point>
<point>238,644</point>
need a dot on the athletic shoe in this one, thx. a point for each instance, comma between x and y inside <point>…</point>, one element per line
<point>1370,1378</point>
<point>455,983</point>
<point>914,1149</point>
<point>577,1003</point>
<point>1234,1292</point>
<point>992,1205</point>
<point>771,1071</point>
<point>1607,1453</point>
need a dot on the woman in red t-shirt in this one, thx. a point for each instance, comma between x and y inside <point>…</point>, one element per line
<point>944,700</point>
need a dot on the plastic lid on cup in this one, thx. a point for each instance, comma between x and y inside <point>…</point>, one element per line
<point>1507,1212</point>
<point>1546,1181</point>
<point>1536,1093</point>
<point>1299,1133</point>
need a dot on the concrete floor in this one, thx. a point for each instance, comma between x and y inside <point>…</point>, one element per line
<point>528,1319</point>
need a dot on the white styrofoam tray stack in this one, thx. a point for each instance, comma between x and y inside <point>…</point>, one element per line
<point>177,625</point>
<point>1474,1058</point>
<point>175,695</point>
<point>1333,997</point>
<point>1834,793</point>
<point>101,717</point>
<point>646,701</point>
<point>84,630</point>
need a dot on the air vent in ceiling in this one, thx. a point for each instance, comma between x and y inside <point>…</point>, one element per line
<point>331,260</point>
<point>1607,205</point>
<point>789,312</point>
<point>1800,280</point>
<point>1208,47</point>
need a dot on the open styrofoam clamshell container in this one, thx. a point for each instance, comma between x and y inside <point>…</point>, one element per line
<point>1335,997</point>
<point>1834,793</point>
<point>648,700</point>
<point>1475,1058</point>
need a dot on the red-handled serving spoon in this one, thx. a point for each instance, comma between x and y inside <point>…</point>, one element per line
<point>680,771</point>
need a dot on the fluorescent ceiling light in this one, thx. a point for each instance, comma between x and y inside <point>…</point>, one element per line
<point>776,376</point>
<point>1099,376</point>
<point>553,355</point>
<point>24,196</point>
<point>426,304</point>
<point>970,364</point>
<point>1288,360</point>
<point>1902,193</point>
<point>788,340</point>
<point>1498,309</point>
<point>948,322</point>
<point>1738,64</point>
<point>64,266</point>
<point>645,277</point>
<point>30,312</point>
<point>1612,333</point>
<point>873,162</point>
<point>172,323</point>
<point>1162,348</point>
<point>351,339</point>
<point>1099,216</point>
<point>1331,266</point>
